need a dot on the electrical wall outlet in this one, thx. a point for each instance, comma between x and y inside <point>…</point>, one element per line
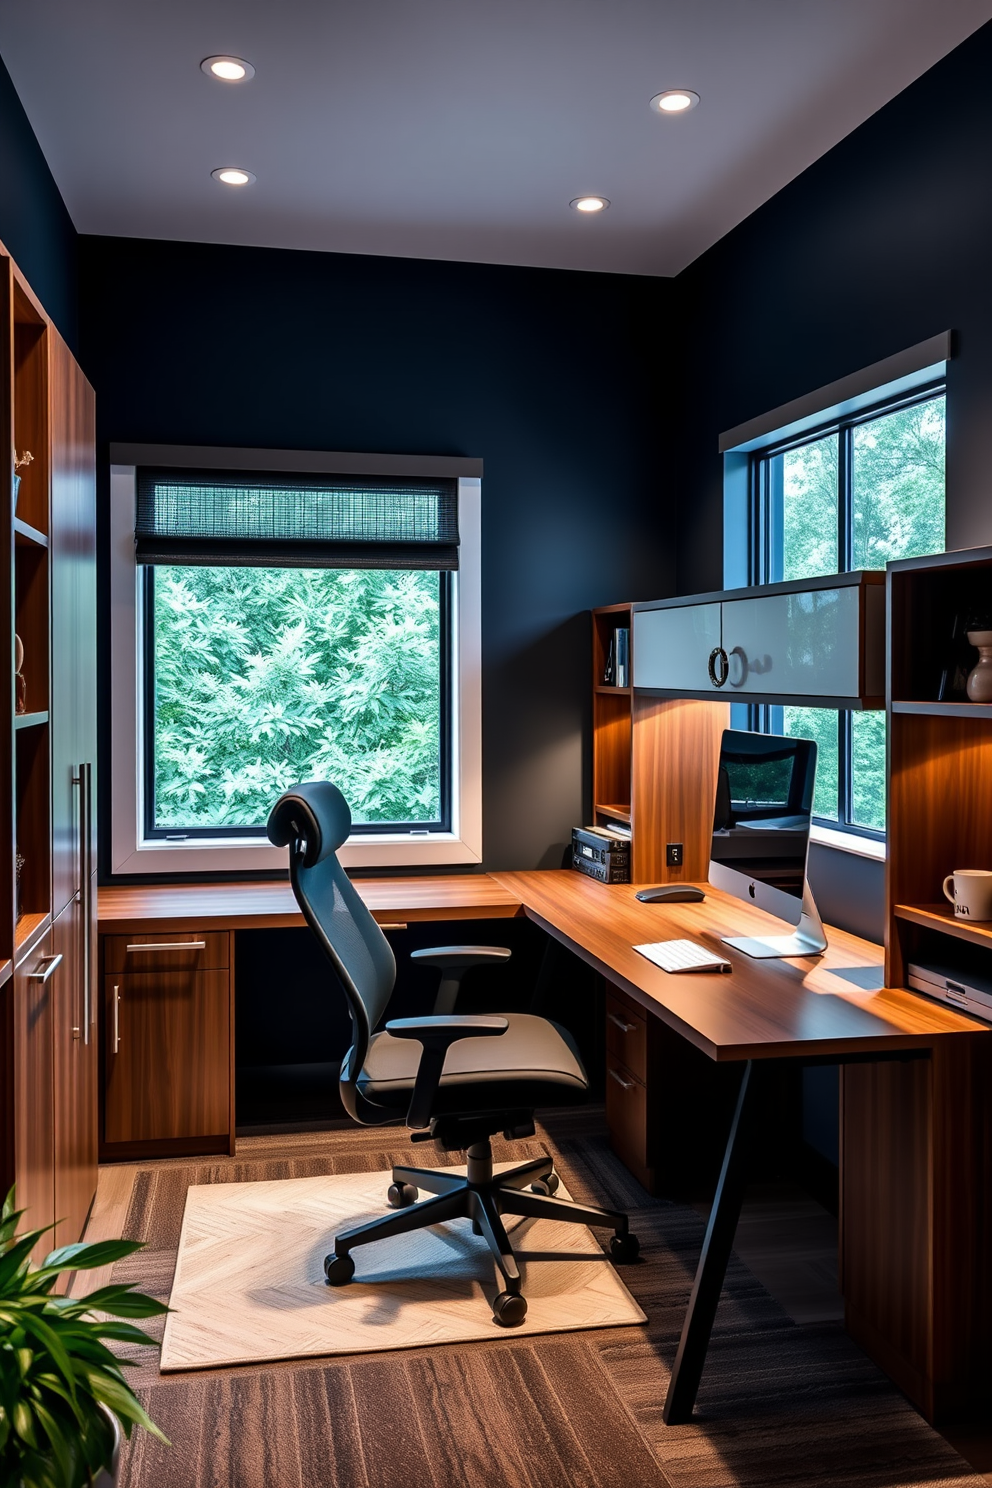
<point>673,855</point>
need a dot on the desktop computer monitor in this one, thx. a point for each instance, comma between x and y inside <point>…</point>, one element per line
<point>764,804</point>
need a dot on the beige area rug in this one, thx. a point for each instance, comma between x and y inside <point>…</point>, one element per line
<point>249,1283</point>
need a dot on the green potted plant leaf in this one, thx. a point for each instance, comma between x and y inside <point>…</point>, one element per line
<point>62,1392</point>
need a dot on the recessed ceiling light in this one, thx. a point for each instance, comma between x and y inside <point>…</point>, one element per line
<point>232,175</point>
<point>589,204</point>
<point>674,101</point>
<point>228,69</point>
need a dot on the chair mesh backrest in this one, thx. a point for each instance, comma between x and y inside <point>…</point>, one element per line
<point>361,954</point>
<point>313,820</point>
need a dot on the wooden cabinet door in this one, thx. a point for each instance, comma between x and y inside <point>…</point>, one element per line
<point>75,1080</point>
<point>72,542</point>
<point>167,1055</point>
<point>34,1126</point>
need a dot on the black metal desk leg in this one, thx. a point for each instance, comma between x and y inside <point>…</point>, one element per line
<point>713,1259</point>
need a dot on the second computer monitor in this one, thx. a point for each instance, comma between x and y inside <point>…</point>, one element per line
<point>764,806</point>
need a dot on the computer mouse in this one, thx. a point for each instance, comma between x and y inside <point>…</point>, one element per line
<point>671,894</point>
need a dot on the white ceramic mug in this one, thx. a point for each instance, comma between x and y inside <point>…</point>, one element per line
<point>970,891</point>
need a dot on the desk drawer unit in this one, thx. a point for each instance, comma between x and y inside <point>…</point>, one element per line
<point>628,1100</point>
<point>167,1045</point>
<point>627,1036</point>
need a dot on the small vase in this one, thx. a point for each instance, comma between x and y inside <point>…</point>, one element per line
<point>980,677</point>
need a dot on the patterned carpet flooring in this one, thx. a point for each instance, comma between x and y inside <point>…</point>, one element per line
<point>779,1404</point>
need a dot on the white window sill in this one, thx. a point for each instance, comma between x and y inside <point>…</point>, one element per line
<point>257,855</point>
<point>862,847</point>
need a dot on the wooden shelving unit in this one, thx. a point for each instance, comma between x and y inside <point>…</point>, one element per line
<point>32,745</point>
<point>654,763</point>
<point>612,709</point>
<point>48,1048</point>
<point>916,1137</point>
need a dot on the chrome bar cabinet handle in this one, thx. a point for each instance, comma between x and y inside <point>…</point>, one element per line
<point>84,779</point>
<point>168,945</point>
<point>49,963</point>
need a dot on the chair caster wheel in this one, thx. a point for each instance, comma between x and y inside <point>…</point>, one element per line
<point>338,1269</point>
<point>624,1247</point>
<point>401,1195</point>
<point>509,1309</point>
<point>546,1186</point>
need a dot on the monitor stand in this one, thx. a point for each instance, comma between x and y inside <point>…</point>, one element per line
<point>808,938</point>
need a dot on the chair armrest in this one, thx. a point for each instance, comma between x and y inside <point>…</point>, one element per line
<point>453,962</point>
<point>445,956</point>
<point>436,1035</point>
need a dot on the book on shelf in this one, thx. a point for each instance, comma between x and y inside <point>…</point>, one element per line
<point>622,653</point>
<point>617,670</point>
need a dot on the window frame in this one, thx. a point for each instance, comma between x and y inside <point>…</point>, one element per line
<point>907,378</point>
<point>766,536</point>
<point>132,851</point>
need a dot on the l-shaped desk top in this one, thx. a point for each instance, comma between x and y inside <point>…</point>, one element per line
<point>812,1006</point>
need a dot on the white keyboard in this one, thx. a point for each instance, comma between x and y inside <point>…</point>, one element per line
<point>682,955</point>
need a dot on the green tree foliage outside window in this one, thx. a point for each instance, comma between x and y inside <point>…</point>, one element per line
<point>265,677</point>
<point>895,503</point>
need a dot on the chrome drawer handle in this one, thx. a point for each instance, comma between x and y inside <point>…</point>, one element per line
<point>623,1027</point>
<point>49,963</point>
<point>169,945</point>
<point>117,1019</point>
<point>624,1084</point>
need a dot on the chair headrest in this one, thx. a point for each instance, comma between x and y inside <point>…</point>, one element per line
<point>316,815</point>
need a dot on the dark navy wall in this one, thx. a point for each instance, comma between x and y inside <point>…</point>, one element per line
<point>34,224</point>
<point>881,243</point>
<point>545,375</point>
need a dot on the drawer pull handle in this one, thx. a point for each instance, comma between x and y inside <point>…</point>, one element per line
<point>49,963</point>
<point>117,1018</point>
<point>168,945</point>
<point>718,659</point>
<point>623,1027</point>
<point>624,1084</point>
<point>390,925</point>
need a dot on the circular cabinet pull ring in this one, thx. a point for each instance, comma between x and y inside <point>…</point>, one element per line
<point>711,666</point>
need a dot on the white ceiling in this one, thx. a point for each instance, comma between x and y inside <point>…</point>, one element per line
<point>456,129</point>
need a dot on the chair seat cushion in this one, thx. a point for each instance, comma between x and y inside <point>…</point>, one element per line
<point>535,1063</point>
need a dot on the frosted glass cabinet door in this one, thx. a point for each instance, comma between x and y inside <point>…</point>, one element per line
<point>799,645</point>
<point>672,647</point>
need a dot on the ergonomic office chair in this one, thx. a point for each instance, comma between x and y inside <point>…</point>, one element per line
<point>472,1077</point>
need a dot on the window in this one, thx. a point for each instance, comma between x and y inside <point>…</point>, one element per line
<point>283,625</point>
<point>257,678</point>
<point>853,494</point>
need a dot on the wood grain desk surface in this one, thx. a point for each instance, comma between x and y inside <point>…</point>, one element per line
<point>810,1006</point>
<point>267,906</point>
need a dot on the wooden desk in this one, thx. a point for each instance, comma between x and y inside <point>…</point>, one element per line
<point>914,1227</point>
<point>915,1246</point>
<point>269,906</point>
<point>167,963</point>
<point>776,1009</point>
